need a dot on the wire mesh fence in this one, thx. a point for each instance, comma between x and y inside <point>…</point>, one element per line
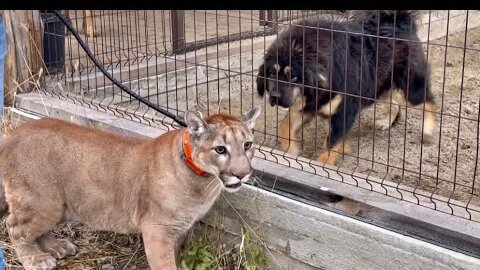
<point>214,61</point>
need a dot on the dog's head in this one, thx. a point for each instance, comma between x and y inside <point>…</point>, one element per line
<point>285,75</point>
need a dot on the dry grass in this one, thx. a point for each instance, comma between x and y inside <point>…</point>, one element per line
<point>205,248</point>
<point>96,250</point>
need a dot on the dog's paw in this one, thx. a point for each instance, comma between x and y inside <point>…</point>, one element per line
<point>387,121</point>
<point>294,149</point>
<point>328,158</point>
<point>383,124</point>
<point>427,138</point>
<point>291,147</point>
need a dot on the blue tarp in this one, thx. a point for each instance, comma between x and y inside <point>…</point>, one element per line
<point>3,54</point>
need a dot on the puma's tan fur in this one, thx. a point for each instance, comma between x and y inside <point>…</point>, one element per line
<point>54,172</point>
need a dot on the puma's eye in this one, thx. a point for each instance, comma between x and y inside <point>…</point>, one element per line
<point>247,145</point>
<point>220,150</point>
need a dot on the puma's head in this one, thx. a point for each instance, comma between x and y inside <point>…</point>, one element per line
<point>222,145</point>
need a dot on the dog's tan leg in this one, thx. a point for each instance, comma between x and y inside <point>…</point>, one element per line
<point>159,247</point>
<point>341,123</point>
<point>289,128</point>
<point>396,98</point>
<point>330,156</point>
<point>89,24</point>
<point>292,123</point>
<point>428,121</point>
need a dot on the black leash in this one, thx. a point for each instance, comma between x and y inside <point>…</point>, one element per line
<point>74,32</point>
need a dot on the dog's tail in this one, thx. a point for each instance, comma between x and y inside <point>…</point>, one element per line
<point>384,21</point>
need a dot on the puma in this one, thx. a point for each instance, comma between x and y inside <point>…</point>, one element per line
<point>55,172</point>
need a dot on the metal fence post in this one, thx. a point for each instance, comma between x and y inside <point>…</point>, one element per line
<point>272,18</point>
<point>178,30</point>
<point>261,17</point>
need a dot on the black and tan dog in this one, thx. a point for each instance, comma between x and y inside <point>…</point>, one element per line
<point>311,69</point>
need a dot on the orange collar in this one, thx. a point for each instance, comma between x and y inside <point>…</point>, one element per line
<point>186,154</point>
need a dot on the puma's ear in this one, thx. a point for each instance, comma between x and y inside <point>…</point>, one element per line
<point>195,123</point>
<point>251,116</point>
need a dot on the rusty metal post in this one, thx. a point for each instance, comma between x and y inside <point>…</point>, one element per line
<point>261,18</point>
<point>272,18</point>
<point>178,30</point>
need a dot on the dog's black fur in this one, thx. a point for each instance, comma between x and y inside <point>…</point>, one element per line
<point>321,59</point>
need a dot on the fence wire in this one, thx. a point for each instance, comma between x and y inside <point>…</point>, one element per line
<point>210,60</point>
